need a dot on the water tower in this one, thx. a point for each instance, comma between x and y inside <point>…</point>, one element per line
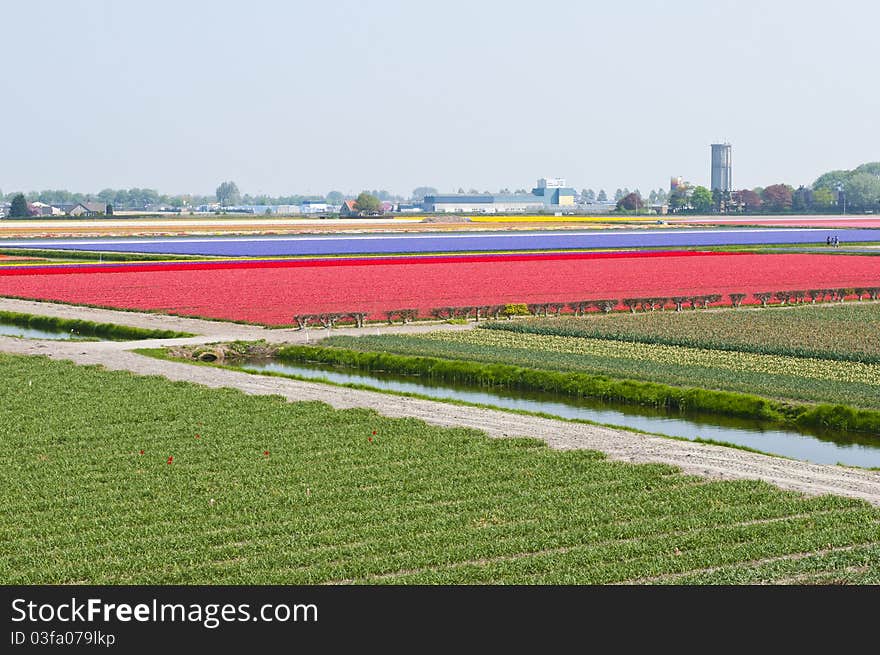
<point>721,167</point>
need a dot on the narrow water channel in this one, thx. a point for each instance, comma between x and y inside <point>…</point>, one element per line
<point>32,333</point>
<point>812,446</point>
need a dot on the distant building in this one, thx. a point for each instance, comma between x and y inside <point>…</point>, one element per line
<point>551,182</point>
<point>38,208</point>
<point>313,207</point>
<point>555,196</point>
<point>482,203</point>
<point>551,194</point>
<point>349,208</point>
<point>80,208</point>
<point>722,167</point>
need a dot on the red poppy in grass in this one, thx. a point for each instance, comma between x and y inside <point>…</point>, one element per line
<point>142,452</point>
<point>370,439</point>
<point>266,453</point>
<point>198,437</point>
<point>171,459</point>
<point>374,432</point>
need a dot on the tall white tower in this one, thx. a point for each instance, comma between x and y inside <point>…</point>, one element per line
<point>722,168</point>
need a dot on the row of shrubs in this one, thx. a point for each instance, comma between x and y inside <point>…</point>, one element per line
<point>329,319</point>
<point>604,305</point>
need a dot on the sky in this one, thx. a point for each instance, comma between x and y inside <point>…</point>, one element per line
<point>287,97</point>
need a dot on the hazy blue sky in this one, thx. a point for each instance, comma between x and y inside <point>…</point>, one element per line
<point>304,97</point>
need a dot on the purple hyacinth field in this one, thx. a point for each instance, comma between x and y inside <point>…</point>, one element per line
<point>452,243</point>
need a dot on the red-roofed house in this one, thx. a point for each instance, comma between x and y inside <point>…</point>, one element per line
<point>349,208</point>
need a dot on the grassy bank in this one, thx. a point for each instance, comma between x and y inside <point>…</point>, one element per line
<point>87,328</point>
<point>836,417</point>
<point>94,256</point>
<point>262,491</point>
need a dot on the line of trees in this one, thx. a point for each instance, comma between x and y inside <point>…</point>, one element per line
<point>856,190</point>
<point>137,199</point>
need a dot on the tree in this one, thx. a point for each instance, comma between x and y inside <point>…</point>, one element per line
<point>679,198</point>
<point>335,198</point>
<point>802,199</point>
<point>588,195</point>
<point>777,197</point>
<point>618,195</point>
<point>106,195</point>
<point>367,203</point>
<point>602,197</point>
<point>748,199</point>
<point>420,192</point>
<point>831,180</point>
<point>108,209</point>
<point>19,207</point>
<point>227,194</point>
<point>701,199</point>
<point>862,190</point>
<point>823,198</point>
<point>872,168</point>
<point>630,202</point>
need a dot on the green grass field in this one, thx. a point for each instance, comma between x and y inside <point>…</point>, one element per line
<point>839,331</point>
<point>770,376</point>
<point>264,491</point>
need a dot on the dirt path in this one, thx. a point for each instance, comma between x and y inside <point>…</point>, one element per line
<point>693,458</point>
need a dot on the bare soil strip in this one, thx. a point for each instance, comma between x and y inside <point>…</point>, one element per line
<point>700,459</point>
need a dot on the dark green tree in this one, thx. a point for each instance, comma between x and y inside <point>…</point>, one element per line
<point>334,198</point>
<point>19,207</point>
<point>602,197</point>
<point>802,199</point>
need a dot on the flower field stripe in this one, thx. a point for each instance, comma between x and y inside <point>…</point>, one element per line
<point>818,369</point>
<point>272,292</point>
<point>834,330</point>
<point>130,267</point>
<point>458,242</point>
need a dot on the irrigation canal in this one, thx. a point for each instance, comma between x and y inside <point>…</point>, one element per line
<point>818,447</point>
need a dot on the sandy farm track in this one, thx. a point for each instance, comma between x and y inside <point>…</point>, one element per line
<point>693,458</point>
